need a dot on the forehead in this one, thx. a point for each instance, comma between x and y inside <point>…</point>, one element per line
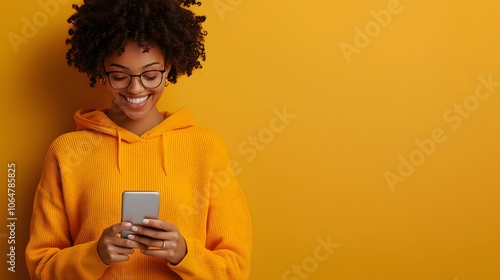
<point>135,56</point>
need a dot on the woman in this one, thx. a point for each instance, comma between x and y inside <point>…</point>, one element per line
<point>135,48</point>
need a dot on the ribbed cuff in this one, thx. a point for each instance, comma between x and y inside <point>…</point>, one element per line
<point>188,264</point>
<point>91,262</point>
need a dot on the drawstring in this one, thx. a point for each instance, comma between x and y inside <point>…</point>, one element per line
<point>119,146</point>
<point>164,154</point>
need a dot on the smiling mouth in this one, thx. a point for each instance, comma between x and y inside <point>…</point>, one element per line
<point>137,100</point>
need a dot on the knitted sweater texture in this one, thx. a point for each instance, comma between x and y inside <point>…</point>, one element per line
<point>80,190</point>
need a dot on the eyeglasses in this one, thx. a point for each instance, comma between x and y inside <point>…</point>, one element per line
<point>121,80</point>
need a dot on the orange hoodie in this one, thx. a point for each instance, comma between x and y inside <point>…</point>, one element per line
<point>79,195</point>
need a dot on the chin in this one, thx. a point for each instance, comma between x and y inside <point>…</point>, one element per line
<point>136,116</point>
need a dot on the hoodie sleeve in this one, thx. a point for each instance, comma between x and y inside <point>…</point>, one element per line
<point>227,251</point>
<point>50,253</point>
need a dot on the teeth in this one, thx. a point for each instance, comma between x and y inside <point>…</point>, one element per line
<point>137,100</point>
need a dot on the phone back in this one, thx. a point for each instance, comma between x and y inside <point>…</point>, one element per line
<point>138,205</point>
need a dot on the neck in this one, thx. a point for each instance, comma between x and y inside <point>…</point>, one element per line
<point>139,126</point>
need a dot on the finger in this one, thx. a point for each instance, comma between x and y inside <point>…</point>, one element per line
<point>146,241</point>
<point>120,258</point>
<point>112,238</point>
<point>155,234</point>
<point>159,224</point>
<point>148,232</point>
<point>110,251</point>
<point>115,250</point>
<point>127,243</point>
<point>170,255</point>
<point>117,228</point>
<point>166,254</point>
<point>123,242</point>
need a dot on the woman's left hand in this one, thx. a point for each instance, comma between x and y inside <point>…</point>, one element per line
<point>165,237</point>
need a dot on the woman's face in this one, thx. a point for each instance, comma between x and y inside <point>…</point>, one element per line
<point>137,100</point>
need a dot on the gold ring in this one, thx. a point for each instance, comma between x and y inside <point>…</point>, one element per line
<point>163,245</point>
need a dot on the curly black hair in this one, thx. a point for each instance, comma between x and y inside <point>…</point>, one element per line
<point>101,28</point>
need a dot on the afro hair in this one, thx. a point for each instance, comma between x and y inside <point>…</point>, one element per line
<point>100,28</point>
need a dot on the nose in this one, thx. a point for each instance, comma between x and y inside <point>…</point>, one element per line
<point>135,86</point>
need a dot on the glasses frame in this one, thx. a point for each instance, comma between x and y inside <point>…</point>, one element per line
<point>107,73</point>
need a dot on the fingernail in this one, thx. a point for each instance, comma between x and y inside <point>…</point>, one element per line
<point>145,221</point>
<point>130,236</point>
<point>128,224</point>
<point>134,228</point>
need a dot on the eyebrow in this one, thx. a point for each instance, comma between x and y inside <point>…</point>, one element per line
<point>126,68</point>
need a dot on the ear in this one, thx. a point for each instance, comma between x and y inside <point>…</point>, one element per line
<point>102,77</point>
<point>167,69</point>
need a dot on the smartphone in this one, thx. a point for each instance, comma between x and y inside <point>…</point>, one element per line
<point>138,205</point>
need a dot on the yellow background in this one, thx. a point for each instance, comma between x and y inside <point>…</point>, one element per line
<point>321,175</point>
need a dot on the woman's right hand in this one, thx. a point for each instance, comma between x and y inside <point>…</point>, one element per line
<point>112,248</point>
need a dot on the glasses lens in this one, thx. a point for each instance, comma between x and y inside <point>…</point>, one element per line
<point>151,79</point>
<point>119,80</point>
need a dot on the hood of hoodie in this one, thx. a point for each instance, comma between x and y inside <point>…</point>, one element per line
<point>97,120</point>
